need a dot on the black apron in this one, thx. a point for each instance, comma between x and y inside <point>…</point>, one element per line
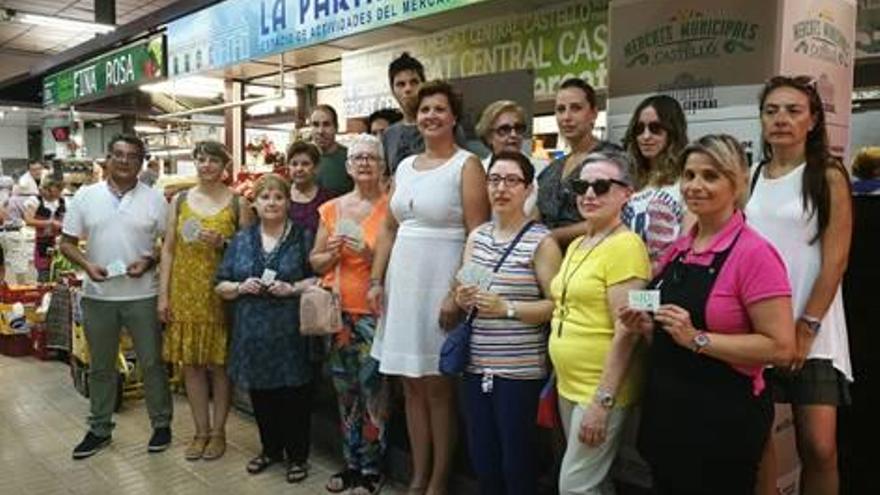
<point>702,428</point>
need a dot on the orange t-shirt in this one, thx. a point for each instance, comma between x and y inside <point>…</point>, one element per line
<point>354,269</point>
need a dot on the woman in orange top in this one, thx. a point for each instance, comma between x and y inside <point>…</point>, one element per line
<point>343,248</point>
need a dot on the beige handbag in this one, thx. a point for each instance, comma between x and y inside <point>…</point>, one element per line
<point>320,309</point>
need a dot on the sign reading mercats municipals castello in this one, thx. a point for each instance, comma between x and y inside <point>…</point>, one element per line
<point>129,66</point>
<point>238,30</point>
<point>729,41</point>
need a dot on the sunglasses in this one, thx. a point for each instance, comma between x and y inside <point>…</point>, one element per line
<point>600,186</point>
<point>508,129</point>
<point>654,128</point>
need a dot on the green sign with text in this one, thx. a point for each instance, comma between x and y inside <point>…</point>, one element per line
<point>134,64</point>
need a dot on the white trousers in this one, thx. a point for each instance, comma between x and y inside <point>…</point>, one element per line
<point>585,470</point>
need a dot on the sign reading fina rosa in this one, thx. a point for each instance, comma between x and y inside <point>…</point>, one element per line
<point>129,66</point>
<point>698,44</point>
<point>237,30</point>
<point>556,43</point>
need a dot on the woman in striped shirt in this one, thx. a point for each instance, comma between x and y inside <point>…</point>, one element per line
<point>508,348</point>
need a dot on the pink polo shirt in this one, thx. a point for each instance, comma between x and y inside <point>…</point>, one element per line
<point>753,272</point>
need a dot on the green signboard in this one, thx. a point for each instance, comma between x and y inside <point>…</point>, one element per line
<point>557,42</point>
<point>134,64</point>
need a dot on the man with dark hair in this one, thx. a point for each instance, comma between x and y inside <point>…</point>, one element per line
<point>332,174</point>
<point>406,76</point>
<point>29,182</point>
<point>122,219</point>
<point>382,119</point>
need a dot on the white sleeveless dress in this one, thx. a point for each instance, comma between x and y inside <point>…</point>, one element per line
<point>776,210</point>
<point>426,254</point>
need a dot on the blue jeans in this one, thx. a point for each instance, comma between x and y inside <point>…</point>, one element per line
<point>501,433</point>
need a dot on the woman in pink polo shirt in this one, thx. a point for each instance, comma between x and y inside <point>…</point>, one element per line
<point>725,314</point>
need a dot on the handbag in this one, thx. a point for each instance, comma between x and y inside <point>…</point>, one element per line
<point>548,405</point>
<point>320,309</point>
<point>455,352</point>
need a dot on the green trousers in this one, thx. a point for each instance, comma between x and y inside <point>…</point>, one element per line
<point>102,321</point>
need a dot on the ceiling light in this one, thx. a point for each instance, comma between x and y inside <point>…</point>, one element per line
<point>15,109</point>
<point>193,87</point>
<point>62,23</point>
<point>147,129</point>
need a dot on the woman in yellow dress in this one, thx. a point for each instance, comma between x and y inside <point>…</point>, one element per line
<point>200,221</point>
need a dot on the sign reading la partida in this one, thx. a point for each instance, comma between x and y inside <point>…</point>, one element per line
<point>691,34</point>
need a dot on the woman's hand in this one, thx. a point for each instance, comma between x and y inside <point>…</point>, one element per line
<point>334,249</point>
<point>252,285</point>
<point>376,299</point>
<point>677,323</point>
<point>163,309</point>
<point>449,312</point>
<point>635,321</point>
<point>594,425</point>
<point>280,288</point>
<point>211,237</point>
<point>466,296</point>
<point>358,247</point>
<point>491,305</point>
<point>804,338</point>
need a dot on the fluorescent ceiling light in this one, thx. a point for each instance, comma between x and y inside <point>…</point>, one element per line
<point>193,86</point>
<point>147,129</point>
<point>268,107</point>
<point>63,23</point>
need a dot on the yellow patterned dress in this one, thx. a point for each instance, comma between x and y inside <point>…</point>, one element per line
<point>197,334</point>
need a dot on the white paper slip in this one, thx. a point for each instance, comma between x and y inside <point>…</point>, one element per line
<point>268,276</point>
<point>644,300</point>
<point>116,269</point>
<point>190,230</point>
<point>472,274</point>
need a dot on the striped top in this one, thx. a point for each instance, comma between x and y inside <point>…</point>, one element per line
<point>508,347</point>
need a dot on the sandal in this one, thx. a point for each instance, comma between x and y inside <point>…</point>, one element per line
<point>259,464</point>
<point>368,484</point>
<point>342,481</point>
<point>215,447</point>
<point>297,472</point>
<point>196,448</point>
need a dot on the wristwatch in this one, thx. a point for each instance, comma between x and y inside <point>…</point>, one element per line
<point>701,341</point>
<point>604,398</point>
<point>511,310</point>
<point>814,324</point>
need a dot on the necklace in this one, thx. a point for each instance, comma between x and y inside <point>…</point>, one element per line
<point>566,278</point>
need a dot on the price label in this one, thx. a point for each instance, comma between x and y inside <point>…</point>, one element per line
<point>644,300</point>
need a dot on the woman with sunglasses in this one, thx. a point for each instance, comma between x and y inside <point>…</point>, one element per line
<point>654,138</point>
<point>508,347</point>
<point>502,127</point>
<point>801,202</point>
<point>725,313</point>
<point>576,113</point>
<point>597,371</point>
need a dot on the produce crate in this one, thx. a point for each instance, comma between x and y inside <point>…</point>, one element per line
<point>16,344</point>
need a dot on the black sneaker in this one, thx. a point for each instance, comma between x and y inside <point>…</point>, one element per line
<point>90,445</point>
<point>160,440</point>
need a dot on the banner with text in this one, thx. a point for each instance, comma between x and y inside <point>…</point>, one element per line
<point>127,67</point>
<point>238,30</point>
<point>568,40</point>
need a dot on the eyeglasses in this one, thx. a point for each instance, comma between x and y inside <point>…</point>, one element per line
<point>654,128</point>
<point>510,181</point>
<point>600,186</point>
<point>127,158</point>
<point>505,130</point>
<point>363,158</point>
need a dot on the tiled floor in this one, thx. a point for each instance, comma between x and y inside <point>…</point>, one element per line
<point>42,418</point>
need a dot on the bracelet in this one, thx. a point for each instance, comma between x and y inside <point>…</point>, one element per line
<point>375,282</point>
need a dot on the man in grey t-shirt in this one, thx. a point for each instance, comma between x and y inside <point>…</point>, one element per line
<point>402,139</point>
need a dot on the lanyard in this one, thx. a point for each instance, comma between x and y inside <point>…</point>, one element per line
<point>566,279</point>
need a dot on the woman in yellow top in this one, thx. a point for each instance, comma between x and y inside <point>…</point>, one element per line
<point>200,221</point>
<point>596,366</point>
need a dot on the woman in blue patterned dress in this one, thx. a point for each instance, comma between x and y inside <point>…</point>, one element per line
<point>262,274</point>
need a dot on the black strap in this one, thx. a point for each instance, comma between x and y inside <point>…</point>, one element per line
<point>473,313</point>
<point>755,177</point>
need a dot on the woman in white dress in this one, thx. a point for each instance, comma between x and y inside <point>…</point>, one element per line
<point>801,203</point>
<point>437,198</point>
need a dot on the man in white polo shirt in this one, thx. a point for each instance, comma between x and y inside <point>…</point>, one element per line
<point>121,219</point>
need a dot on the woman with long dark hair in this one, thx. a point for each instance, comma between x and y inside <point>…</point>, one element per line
<point>655,137</point>
<point>801,202</point>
